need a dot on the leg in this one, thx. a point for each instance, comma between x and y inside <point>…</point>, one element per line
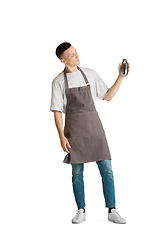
<point>78,184</point>
<point>106,172</point>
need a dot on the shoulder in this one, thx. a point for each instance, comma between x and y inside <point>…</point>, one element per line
<point>58,80</point>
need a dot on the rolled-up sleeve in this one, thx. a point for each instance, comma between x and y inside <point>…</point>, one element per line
<point>56,97</point>
<point>101,87</point>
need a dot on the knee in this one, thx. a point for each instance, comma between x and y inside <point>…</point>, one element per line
<point>106,167</point>
<point>77,170</point>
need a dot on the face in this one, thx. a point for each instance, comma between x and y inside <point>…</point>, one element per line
<point>70,57</point>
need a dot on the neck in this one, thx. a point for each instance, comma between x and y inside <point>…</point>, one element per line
<point>70,69</point>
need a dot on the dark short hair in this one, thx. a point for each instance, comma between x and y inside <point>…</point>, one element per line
<point>62,48</point>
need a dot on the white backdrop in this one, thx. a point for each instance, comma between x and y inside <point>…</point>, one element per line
<point>35,186</point>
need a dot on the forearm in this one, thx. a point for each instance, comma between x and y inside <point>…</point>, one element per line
<point>113,90</point>
<point>59,123</point>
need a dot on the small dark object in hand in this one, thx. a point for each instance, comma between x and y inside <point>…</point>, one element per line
<point>124,67</point>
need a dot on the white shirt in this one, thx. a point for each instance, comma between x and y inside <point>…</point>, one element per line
<point>75,79</point>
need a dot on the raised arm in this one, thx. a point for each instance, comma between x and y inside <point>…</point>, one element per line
<point>114,89</point>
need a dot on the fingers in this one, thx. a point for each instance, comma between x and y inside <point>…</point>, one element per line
<point>120,65</point>
<point>68,145</point>
<point>65,145</point>
<point>128,67</point>
<point>65,149</point>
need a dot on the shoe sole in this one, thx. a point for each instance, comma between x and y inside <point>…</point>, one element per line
<point>79,222</point>
<point>116,222</point>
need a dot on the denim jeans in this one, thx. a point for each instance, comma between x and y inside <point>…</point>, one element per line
<point>106,172</point>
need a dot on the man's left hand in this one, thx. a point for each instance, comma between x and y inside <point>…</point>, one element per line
<point>119,69</point>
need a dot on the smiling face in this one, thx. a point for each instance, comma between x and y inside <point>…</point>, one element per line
<point>70,57</point>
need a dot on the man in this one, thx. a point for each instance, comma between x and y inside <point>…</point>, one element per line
<point>74,92</point>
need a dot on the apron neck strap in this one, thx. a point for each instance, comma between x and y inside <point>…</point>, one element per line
<point>66,81</point>
<point>85,78</point>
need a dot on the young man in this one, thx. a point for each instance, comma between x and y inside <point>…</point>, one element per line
<point>74,92</point>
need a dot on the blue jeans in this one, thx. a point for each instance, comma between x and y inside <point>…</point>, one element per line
<point>106,172</point>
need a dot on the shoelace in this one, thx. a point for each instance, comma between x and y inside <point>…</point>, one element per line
<point>116,214</point>
<point>77,215</point>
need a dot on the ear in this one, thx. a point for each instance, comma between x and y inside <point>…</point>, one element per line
<point>62,61</point>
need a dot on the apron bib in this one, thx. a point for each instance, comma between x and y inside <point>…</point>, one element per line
<point>83,127</point>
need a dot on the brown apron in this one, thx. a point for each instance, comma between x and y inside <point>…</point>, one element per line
<point>83,127</point>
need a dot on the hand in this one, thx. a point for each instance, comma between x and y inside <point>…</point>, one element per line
<point>119,69</point>
<point>65,144</point>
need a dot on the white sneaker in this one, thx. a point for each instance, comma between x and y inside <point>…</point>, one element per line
<point>115,217</point>
<point>80,216</point>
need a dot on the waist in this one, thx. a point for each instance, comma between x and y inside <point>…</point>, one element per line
<point>80,112</point>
